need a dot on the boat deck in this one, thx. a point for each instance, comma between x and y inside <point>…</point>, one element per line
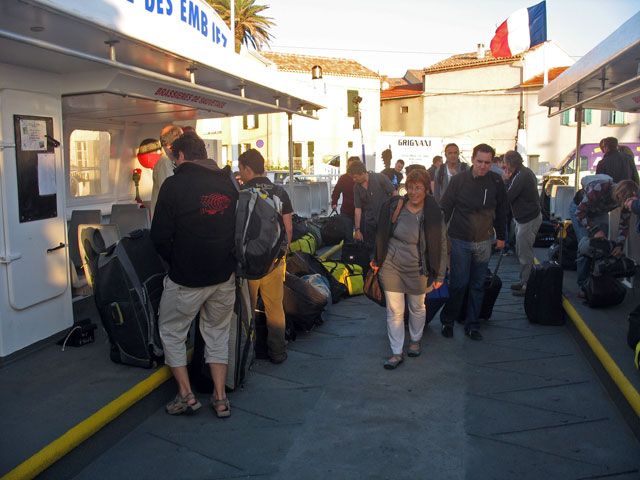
<point>524,403</point>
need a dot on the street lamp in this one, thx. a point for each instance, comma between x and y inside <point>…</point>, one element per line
<point>357,122</point>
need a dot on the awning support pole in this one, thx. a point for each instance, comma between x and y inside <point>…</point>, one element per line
<point>290,121</point>
<point>578,159</point>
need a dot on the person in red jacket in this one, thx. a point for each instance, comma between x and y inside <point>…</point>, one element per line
<point>344,187</point>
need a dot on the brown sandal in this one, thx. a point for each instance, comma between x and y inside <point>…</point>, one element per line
<point>223,402</point>
<point>180,405</point>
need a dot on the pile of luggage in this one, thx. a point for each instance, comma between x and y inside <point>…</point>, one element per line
<point>603,287</point>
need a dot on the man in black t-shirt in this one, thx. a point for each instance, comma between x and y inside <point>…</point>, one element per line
<point>271,286</point>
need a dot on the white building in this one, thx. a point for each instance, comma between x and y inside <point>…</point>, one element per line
<point>315,141</point>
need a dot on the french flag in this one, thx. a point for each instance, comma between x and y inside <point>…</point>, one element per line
<point>524,29</point>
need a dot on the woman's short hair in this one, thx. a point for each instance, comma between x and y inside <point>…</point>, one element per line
<point>625,190</point>
<point>419,175</point>
<point>356,168</point>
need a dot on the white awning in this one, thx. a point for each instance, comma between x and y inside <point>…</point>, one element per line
<point>606,78</point>
<point>99,59</point>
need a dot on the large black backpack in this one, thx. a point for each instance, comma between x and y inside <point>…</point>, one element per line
<point>128,286</point>
<point>260,237</point>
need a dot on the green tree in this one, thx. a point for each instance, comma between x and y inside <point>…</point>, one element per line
<point>251,27</point>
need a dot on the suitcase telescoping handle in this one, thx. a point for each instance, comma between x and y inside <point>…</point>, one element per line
<point>502,254</point>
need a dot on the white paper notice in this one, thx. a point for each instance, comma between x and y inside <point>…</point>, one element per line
<point>47,173</point>
<point>32,133</point>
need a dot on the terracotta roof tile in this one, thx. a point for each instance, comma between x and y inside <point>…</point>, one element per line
<point>468,60</point>
<point>290,62</point>
<point>411,90</point>
<point>538,80</point>
<point>397,82</point>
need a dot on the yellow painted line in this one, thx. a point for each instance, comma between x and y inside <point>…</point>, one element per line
<point>57,449</point>
<point>331,251</point>
<point>629,392</point>
<point>621,381</point>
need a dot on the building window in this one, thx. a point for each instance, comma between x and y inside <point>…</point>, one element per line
<point>297,156</point>
<point>614,118</point>
<point>351,107</point>
<point>89,163</point>
<point>569,117</point>
<point>310,152</point>
<point>250,122</point>
<point>404,109</point>
<point>244,147</point>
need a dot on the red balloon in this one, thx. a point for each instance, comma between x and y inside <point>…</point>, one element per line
<point>149,160</point>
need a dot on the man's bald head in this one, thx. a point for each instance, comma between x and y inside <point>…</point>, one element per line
<point>169,134</point>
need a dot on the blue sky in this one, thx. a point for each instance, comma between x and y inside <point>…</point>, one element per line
<point>391,36</point>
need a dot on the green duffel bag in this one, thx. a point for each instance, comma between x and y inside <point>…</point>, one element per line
<point>350,275</point>
<point>306,243</point>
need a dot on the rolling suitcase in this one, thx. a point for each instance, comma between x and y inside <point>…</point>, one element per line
<point>492,287</point>
<point>543,296</point>
<point>128,285</point>
<point>242,337</point>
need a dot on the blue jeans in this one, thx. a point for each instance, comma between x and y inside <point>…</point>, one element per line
<point>583,264</point>
<point>469,262</point>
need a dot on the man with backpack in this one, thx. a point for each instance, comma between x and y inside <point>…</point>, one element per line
<point>271,286</point>
<point>447,170</point>
<point>193,231</point>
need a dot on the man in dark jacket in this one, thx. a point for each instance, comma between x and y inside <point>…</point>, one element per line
<point>469,204</point>
<point>369,193</point>
<point>615,163</point>
<point>344,187</point>
<point>522,193</point>
<point>193,230</point>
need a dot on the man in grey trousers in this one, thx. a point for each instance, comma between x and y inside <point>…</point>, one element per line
<point>522,193</point>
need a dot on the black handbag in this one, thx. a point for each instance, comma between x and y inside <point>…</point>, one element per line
<point>373,289</point>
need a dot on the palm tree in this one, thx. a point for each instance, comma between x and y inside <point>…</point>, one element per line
<point>251,28</point>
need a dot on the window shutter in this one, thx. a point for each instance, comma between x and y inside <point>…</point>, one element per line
<point>566,119</point>
<point>351,107</point>
<point>587,116</point>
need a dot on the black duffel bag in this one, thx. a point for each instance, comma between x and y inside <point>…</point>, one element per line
<point>615,267</point>
<point>303,303</point>
<point>332,229</point>
<point>603,291</point>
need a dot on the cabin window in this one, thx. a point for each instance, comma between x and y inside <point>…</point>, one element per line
<point>89,163</point>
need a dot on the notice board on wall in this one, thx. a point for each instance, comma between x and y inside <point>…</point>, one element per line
<point>35,167</point>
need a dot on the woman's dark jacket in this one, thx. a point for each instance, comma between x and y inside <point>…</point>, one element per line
<point>432,237</point>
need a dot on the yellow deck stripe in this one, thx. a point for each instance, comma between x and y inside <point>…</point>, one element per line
<point>623,383</point>
<point>53,452</point>
<point>331,251</point>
